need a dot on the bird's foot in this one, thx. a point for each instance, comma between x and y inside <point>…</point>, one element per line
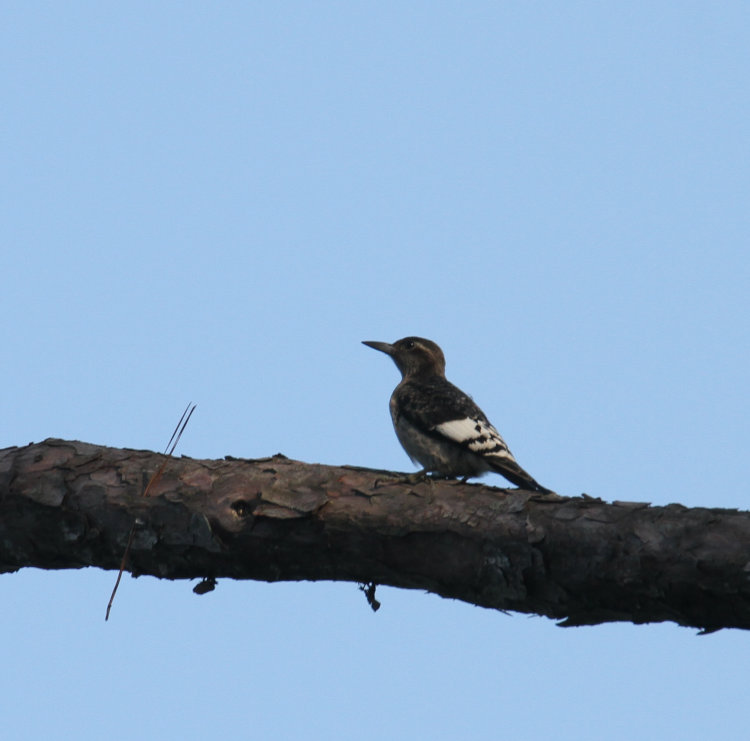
<point>420,477</point>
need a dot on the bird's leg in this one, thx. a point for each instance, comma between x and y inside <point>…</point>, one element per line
<point>419,477</point>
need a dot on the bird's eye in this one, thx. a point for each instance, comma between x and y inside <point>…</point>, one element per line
<point>410,344</point>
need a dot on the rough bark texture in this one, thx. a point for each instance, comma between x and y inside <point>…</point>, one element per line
<point>67,504</point>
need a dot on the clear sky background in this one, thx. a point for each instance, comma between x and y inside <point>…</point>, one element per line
<point>217,202</point>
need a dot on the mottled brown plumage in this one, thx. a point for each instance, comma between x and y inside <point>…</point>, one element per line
<point>438,425</point>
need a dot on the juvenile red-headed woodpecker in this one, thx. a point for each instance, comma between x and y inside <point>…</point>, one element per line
<point>439,426</point>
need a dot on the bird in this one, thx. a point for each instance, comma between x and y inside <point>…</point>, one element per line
<point>439,426</point>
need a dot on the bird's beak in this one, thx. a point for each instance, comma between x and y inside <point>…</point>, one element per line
<point>385,347</point>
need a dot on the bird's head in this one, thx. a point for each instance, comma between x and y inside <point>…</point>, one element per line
<point>413,356</point>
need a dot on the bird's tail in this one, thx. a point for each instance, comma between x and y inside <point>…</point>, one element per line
<point>508,468</point>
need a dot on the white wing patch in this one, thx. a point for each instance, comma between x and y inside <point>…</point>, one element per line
<point>477,434</point>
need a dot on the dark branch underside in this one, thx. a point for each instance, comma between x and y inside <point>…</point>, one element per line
<point>69,504</point>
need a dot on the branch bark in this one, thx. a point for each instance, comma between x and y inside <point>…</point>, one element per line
<point>68,504</point>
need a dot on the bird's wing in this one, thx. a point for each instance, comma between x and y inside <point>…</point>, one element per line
<point>479,436</point>
<point>441,409</point>
<point>476,434</point>
<point>452,415</point>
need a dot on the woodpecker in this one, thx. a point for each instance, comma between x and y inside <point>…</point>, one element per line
<point>438,425</point>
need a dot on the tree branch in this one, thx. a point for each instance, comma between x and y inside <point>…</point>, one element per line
<point>66,504</point>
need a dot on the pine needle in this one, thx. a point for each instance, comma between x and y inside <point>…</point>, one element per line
<point>168,451</point>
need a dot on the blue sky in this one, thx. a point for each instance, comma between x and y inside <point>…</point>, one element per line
<point>218,202</point>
